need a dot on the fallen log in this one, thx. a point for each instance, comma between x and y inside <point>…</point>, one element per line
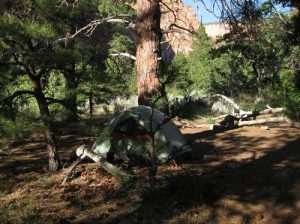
<point>292,122</point>
<point>262,112</point>
<point>110,168</point>
<point>69,170</point>
<point>241,117</point>
<point>243,113</point>
<point>270,120</point>
<point>247,114</point>
<point>271,111</point>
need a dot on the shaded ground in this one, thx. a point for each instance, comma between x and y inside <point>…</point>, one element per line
<point>246,175</point>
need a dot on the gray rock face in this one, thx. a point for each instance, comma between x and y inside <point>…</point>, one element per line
<point>221,107</point>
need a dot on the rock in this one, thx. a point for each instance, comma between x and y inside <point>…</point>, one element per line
<point>177,42</point>
<point>220,107</point>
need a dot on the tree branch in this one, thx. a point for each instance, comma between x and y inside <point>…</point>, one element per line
<point>67,4</point>
<point>90,27</point>
<point>171,29</point>
<point>123,54</point>
<point>278,13</point>
<point>17,94</point>
<point>170,10</point>
<point>212,11</point>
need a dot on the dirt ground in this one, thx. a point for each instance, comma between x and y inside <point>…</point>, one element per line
<point>244,175</point>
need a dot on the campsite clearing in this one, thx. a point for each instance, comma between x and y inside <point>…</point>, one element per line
<point>244,175</point>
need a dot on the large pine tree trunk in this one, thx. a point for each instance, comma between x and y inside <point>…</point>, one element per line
<point>54,161</point>
<point>148,36</point>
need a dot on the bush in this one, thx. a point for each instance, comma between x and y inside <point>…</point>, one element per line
<point>19,128</point>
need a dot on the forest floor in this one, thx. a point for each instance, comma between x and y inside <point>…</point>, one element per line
<point>244,175</point>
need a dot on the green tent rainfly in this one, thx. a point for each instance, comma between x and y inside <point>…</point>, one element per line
<point>127,137</point>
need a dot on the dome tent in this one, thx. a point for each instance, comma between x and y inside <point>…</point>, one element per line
<point>128,137</point>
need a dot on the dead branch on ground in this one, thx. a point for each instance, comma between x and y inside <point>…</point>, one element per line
<point>83,152</point>
<point>240,117</point>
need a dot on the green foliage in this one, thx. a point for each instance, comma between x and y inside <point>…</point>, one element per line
<point>55,85</point>
<point>176,76</point>
<point>74,69</point>
<point>249,64</point>
<point>19,128</point>
<point>4,217</point>
<point>132,88</point>
<point>113,7</point>
<point>38,30</point>
<point>201,70</point>
<point>120,69</point>
<point>289,92</point>
<point>121,43</point>
<point>200,59</point>
<point>209,119</point>
<point>254,63</point>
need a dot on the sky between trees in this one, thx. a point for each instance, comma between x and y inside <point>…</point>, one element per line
<point>208,17</point>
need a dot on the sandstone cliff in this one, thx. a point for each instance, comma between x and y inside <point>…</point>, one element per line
<point>177,39</point>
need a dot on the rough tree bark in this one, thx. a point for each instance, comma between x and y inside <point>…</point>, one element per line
<point>54,161</point>
<point>148,36</point>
